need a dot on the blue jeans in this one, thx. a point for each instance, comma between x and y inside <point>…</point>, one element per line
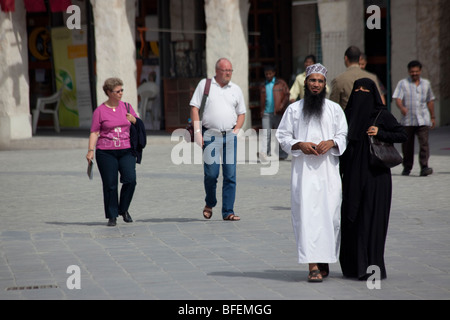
<point>220,149</point>
<point>110,163</point>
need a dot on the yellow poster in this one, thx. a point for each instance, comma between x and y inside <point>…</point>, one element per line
<point>70,60</point>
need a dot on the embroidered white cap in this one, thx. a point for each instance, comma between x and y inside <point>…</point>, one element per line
<point>316,68</point>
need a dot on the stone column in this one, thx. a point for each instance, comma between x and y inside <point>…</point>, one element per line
<point>417,28</point>
<point>15,118</point>
<point>227,37</point>
<point>429,51</point>
<point>115,46</point>
<point>444,44</point>
<point>342,25</point>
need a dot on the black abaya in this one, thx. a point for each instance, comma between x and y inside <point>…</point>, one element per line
<point>367,190</point>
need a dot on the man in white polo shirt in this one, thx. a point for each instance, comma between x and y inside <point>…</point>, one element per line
<point>222,118</point>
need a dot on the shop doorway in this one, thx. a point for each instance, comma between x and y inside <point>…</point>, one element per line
<point>377,50</point>
<point>269,41</point>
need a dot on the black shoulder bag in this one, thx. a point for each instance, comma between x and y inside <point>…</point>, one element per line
<point>383,154</point>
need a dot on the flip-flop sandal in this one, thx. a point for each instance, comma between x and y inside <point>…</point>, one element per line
<point>207,213</point>
<point>313,276</point>
<point>324,269</point>
<point>232,217</point>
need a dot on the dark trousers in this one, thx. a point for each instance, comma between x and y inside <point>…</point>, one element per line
<point>408,147</point>
<point>110,163</point>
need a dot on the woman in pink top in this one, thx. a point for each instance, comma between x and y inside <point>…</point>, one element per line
<point>110,137</point>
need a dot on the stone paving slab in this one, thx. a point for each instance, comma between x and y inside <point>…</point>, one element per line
<point>52,218</point>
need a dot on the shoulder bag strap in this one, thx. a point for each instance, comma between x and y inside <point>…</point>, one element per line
<point>205,95</point>
<point>373,139</point>
<point>375,121</point>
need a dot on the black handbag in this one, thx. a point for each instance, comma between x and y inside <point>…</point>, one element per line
<point>383,154</point>
<point>189,135</point>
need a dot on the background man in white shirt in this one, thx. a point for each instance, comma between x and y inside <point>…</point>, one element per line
<point>223,117</point>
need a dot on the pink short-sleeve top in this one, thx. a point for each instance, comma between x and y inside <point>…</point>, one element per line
<point>113,126</point>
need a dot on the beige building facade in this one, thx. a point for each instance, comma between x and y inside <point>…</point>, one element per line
<point>417,29</point>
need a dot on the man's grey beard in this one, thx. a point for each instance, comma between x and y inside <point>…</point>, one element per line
<point>313,104</point>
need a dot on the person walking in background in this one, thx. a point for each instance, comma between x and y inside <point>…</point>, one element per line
<point>314,131</point>
<point>367,190</point>
<point>341,86</point>
<point>363,65</point>
<point>223,117</point>
<point>298,88</point>
<point>114,152</point>
<point>274,99</point>
<point>415,99</point>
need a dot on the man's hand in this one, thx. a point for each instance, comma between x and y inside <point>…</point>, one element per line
<point>312,148</point>
<point>403,109</point>
<point>306,147</point>
<point>198,138</point>
<point>433,123</point>
<point>324,146</point>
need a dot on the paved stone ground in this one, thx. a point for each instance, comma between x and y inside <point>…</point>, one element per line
<point>52,218</point>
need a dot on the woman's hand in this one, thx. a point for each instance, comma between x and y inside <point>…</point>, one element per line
<point>93,137</point>
<point>372,131</point>
<point>131,118</point>
<point>90,155</point>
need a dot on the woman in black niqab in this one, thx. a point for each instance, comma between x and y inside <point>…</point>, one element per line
<point>367,190</point>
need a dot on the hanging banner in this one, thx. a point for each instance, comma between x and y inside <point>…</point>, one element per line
<point>59,5</point>
<point>7,5</point>
<point>35,5</point>
<point>70,58</point>
<point>39,5</point>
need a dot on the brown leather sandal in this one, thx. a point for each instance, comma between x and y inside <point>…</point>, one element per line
<point>207,212</point>
<point>315,276</point>
<point>324,269</point>
<point>232,217</point>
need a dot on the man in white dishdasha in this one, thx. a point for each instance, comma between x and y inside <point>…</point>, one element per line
<point>314,131</point>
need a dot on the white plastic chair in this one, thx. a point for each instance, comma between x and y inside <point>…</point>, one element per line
<point>148,93</point>
<point>41,104</point>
